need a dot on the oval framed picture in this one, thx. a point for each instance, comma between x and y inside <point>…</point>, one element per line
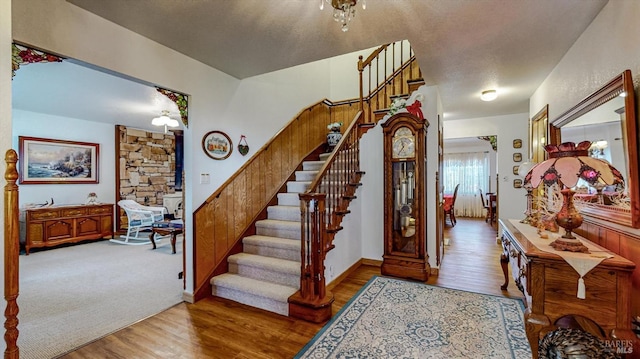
<point>217,145</point>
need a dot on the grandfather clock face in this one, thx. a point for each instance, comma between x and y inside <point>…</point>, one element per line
<point>404,200</point>
<point>404,143</point>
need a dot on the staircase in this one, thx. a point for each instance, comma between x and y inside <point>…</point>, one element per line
<point>266,269</point>
<point>267,272</point>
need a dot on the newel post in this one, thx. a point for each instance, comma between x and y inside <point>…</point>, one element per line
<point>312,302</point>
<point>11,253</point>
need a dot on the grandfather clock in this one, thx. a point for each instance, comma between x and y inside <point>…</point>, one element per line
<point>405,236</point>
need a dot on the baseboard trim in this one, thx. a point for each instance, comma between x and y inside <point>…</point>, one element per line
<point>361,262</point>
<point>188,297</point>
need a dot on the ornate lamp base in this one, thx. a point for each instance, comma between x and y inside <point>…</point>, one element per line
<point>566,244</point>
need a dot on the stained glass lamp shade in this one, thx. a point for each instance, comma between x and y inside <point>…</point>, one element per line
<point>567,164</point>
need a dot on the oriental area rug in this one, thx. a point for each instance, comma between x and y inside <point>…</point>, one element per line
<point>391,318</point>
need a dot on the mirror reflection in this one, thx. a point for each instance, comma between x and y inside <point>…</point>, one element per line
<point>607,119</point>
<point>601,126</point>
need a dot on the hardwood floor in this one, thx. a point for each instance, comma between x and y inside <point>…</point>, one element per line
<point>219,328</point>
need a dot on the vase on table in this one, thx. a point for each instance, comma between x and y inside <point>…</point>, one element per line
<point>333,137</point>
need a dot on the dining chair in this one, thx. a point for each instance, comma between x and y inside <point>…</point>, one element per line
<point>449,207</point>
<point>490,208</point>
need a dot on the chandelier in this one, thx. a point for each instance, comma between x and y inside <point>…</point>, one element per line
<point>343,10</point>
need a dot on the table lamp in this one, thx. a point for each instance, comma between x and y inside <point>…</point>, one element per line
<point>567,164</point>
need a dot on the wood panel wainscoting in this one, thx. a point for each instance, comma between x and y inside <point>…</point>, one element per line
<point>621,240</point>
<point>550,285</point>
<point>226,216</point>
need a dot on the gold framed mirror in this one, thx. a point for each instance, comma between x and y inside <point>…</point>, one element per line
<point>607,118</point>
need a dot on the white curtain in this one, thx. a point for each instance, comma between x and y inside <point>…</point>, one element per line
<point>471,171</point>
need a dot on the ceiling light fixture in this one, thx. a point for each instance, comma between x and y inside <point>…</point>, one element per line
<point>165,120</point>
<point>343,10</point>
<point>489,95</point>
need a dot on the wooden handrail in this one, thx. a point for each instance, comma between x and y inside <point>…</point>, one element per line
<point>228,215</point>
<point>11,254</point>
<point>333,189</point>
<point>392,84</point>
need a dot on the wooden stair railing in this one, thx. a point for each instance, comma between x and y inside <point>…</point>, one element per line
<point>11,254</point>
<point>228,215</point>
<point>396,80</point>
<point>336,183</point>
<point>322,208</point>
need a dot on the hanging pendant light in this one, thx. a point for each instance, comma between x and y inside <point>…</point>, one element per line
<point>165,120</point>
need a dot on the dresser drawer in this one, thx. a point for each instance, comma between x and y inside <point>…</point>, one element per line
<point>44,214</point>
<point>100,209</point>
<point>73,212</point>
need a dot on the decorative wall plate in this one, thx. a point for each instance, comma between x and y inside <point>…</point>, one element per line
<point>217,145</point>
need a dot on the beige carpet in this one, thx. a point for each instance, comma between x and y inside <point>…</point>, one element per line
<point>71,296</point>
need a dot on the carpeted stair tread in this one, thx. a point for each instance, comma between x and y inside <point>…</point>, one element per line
<point>297,186</point>
<point>255,287</point>
<point>274,264</point>
<point>273,242</point>
<point>288,199</point>
<point>276,223</point>
<point>306,175</point>
<point>312,165</point>
<point>279,228</point>
<point>284,213</point>
<point>270,246</point>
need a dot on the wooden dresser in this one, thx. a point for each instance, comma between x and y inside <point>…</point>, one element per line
<point>550,287</point>
<point>55,225</point>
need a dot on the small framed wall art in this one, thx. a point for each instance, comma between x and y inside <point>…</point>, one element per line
<point>515,170</point>
<point>217,145</point>
<point>517,183</point>
<point>517,143</point>
<point>517,157</point>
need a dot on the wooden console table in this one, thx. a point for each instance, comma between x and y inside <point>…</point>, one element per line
<point>55,225</point>
<point>550,285</point>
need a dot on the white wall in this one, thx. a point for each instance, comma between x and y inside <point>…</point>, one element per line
<point>62,28</point>
<point>34,124</point>
<point>606,48</point>
<point>255,107</point>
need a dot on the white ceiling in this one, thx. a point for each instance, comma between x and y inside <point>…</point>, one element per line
<point>463,46</point>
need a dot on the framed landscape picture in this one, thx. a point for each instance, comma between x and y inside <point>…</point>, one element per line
<point>45,161</point>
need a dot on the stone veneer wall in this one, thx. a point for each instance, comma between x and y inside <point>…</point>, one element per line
<point>146,166</point>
